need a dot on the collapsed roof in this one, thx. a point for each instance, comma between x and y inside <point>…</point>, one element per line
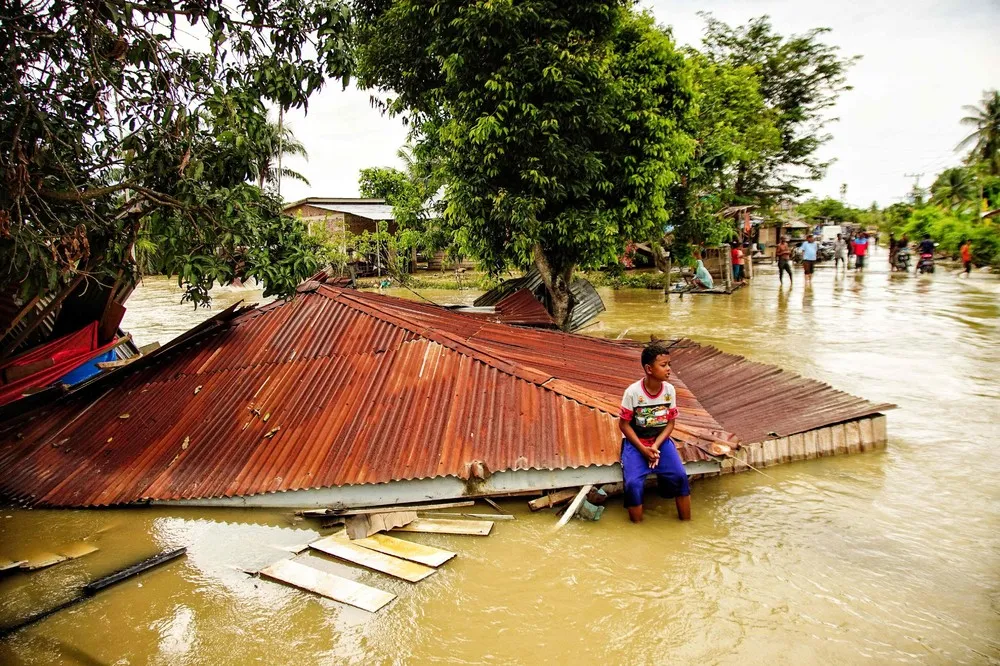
<point>343,388</point>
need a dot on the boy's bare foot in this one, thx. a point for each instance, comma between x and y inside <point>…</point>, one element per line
<point>635,513</point>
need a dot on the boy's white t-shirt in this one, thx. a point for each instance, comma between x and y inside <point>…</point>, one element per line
<point>648,414</point>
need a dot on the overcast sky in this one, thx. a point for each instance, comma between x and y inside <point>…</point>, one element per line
<point>922,60</point>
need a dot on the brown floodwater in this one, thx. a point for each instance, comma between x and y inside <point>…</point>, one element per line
<point>885,557</point>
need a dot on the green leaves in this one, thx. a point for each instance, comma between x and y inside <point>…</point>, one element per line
<point>552,124</point>
<point>148,141</point>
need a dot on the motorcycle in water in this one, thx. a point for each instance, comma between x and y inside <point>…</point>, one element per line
<point>926,263</point>
<point>902,260</point>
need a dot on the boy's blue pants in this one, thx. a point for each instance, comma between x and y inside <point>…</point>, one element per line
<point>670,474</point>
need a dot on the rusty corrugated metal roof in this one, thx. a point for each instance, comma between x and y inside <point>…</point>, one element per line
<point>522,309</point>
<point>757,401</point>
<point>333,388</point>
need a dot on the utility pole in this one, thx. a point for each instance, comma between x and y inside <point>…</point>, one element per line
<point>917,192</point>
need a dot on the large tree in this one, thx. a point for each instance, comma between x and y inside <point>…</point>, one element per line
<point>121,119</point>
<point>801,78</point>
<point>732,128</point>
<point>555,124</point>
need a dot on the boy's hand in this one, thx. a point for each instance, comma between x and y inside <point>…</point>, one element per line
<point>651,454</point>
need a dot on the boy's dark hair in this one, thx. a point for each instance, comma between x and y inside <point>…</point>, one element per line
<point>654,349</point>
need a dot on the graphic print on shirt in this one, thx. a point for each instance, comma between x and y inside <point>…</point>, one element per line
<point>647,414</point>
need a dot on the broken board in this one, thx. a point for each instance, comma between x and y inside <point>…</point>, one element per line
<point>328,585</point>
<point>415,552</point>
<point>365,525</point>
<point>46,559</point>
<point>340,547</point>
<point>440,526</point>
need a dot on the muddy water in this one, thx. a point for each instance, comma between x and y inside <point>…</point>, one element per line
<point>893,556</point>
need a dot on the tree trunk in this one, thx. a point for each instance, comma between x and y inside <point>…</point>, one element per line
<point>557,279</point>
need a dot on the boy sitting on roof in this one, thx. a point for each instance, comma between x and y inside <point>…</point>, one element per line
<point>648,412</point>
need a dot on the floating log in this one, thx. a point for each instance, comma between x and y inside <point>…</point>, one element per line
<point>328,585</point>
<point>96,586</point>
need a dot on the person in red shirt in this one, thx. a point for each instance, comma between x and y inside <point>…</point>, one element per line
<point>966,251</point>
<point>737,254</point>
<point>860,250</point>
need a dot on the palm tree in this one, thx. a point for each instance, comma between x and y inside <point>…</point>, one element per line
<point>953,188</point>
<point>279,143</point>
<point>985,139</point>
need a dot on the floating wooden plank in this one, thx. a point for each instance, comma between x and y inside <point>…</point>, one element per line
<point>328,585</point>
<point>411,507</point>
<point>575,506</point>
<point>42,560</point>
<point>394,566</point>
<point>6,563</point>
<point>552,499</point>
<point>364,525</point>
<point>415,552</point>
<point>496,507</point>
<point>473,516</point>
<point>443,526</point>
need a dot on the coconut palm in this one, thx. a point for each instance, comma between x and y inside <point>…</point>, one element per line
<point>279,144</point>
<point>954,188</point>
<point>985,139</point>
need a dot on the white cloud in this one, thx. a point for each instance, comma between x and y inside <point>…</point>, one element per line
<point>922,61</point>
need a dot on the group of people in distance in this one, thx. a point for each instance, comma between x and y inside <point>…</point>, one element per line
<point>842,249</point>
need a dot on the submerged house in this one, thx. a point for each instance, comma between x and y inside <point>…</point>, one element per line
<point>347,398</point>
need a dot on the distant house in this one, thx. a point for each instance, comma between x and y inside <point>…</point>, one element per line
<point>337,215</point>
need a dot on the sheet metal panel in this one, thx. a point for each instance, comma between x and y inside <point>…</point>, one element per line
<point>754,400</point>
<point>339,387</point>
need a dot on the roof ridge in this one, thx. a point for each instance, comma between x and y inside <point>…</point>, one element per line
<point>527,373</point>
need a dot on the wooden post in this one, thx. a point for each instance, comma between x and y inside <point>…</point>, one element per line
<point>666,286</point>
<point>727,267</point>
<point>575,506</point>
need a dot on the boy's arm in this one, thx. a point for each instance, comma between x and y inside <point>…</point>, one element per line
<point>629,432</point>
<point>664,434</point>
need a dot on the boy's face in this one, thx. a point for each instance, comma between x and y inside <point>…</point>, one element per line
<point>659,369</point>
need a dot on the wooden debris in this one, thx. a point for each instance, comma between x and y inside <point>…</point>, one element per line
<point>496,507</point>
<point>366,524</point>
<point>133,570</point>
<point>415,552</point>
<point>151,347</point>
<point>575,506</point>
<point>314,513</point>
<point>96,586</point>
<point>6,563</point>
<point>552,499</point>
<point>328,585</point>
<point>432,526</point>
<point>473,516</point>
<point>69,552</point>
<point>118,363</point>
<point>340,547</point>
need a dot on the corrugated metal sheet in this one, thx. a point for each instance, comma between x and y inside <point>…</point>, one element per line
<point>336,387</point>
<point>757,401</point>
<point>377,212</point>
<point>587,303</point>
